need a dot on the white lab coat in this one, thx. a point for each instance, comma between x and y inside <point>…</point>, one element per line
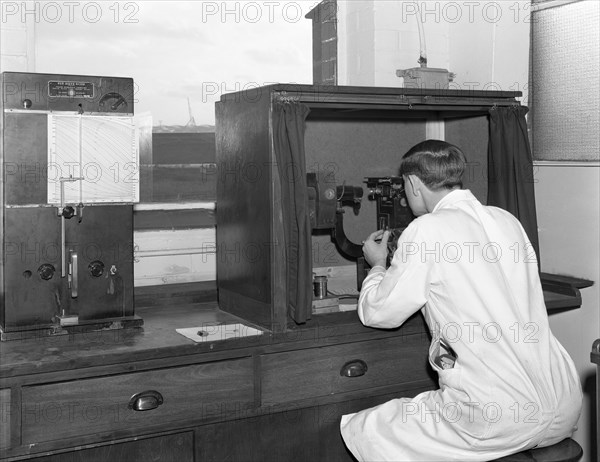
<point>471,271</point>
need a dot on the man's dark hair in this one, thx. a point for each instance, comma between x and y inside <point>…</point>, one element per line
<point>439,165</point>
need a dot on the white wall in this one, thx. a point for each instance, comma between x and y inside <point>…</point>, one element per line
<point>568,210</point>
<point>486,44</point>
<point>375,38</point>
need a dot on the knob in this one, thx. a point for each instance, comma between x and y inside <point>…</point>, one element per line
<point>46,271</point>
<point>96,268</point>
<point>68,212</point>
<point>26,103</point>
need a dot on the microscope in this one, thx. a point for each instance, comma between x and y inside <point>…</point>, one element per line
<point>327,202</point>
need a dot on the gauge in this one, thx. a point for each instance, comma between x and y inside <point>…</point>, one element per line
<point>111,102</point>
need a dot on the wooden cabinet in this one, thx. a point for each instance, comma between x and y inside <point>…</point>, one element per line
<point>267,398</point>
<point>270,140</point>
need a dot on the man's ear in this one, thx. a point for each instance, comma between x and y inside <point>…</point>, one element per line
<point>415,183</point>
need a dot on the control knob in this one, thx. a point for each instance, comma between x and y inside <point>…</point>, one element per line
<point>96,268</point>
<point>68,212</point>
<point>46,271</point>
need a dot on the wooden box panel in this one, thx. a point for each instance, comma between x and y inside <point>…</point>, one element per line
<point>97,405</point>
<point>351,132</point>
<point>312,373</point>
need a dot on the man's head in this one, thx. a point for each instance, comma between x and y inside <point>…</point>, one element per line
<point>431,170</point>
<point>439,165</point>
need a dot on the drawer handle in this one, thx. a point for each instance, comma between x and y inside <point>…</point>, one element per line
<point>145,401</point>
<point>354,368</point>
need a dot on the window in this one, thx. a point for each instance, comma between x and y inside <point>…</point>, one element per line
<point>565,80</point>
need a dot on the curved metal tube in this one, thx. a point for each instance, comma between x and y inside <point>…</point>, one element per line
<point>346,246</point>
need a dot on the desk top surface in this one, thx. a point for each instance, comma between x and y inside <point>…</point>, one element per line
<point>158,339</point>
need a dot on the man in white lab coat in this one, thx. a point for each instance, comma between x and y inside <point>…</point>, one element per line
<point>506,383</point>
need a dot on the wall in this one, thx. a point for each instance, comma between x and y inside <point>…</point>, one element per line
<point>486,44</point>
<point>378,37</point>
<point>568,210</point>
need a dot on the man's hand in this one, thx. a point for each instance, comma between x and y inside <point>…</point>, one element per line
<point>375,248</point>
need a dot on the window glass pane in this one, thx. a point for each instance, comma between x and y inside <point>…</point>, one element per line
<point>566,81</point>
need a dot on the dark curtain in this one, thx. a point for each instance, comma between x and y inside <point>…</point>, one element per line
<point>510,168</point>
<point>288,134</point>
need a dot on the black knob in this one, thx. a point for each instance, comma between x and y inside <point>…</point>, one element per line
<point>96,268</point>
<point>68,212</point>
<point>26,103</point>
<point>46,271</point>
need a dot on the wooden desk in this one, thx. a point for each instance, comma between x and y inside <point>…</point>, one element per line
<point>256,398</point>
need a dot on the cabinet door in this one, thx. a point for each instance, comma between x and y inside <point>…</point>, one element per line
<point>169,448</point>
<point>296,434</point>
<point>32,260</point>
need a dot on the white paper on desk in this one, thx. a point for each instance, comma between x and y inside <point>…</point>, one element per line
<point>216,332</point>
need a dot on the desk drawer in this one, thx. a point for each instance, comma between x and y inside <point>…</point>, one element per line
<point>98,405</point>
<point>315,372</point>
